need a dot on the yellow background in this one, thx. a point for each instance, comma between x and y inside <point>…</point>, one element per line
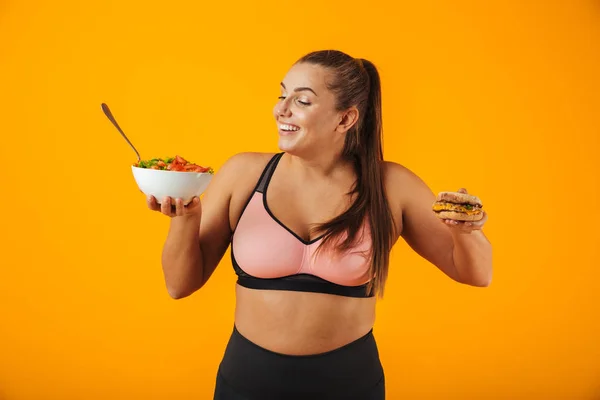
<point>501,98</point>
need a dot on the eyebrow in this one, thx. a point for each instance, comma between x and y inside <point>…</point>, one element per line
<point>300,89</point>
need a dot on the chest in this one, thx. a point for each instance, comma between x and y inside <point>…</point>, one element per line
<point>265,248</point>
<point>300,208</point>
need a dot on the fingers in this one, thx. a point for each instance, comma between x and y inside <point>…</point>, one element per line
<point>195,203</point>
<point>191,206</point>
<point>173,207</point>
<point>152,203</point>
<point>450,222</point>
<point>165,206</point>
<point>466,226</point>
<point>481,222</point>
<point>179,208</point>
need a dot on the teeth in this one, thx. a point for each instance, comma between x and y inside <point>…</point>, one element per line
<point>285,127</point>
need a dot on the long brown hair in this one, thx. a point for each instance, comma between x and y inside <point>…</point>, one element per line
<point>356,82</point>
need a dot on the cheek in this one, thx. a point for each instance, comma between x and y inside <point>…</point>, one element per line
<point>323,122</point>
<point>312,118</point>
<point>301,116</point>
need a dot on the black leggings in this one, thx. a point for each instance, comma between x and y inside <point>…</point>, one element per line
<point>250,372</point>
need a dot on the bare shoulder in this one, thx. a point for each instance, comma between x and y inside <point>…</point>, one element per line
<point>394,171</point>
<point>239,170</point>
<point>240,165</point>
<point>235,175</point>
<point>402,183</point>
<point>242,172</point>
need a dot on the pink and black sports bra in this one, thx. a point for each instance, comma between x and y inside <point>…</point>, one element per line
<point>268,255</point>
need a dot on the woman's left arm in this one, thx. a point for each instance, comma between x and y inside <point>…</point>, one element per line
<point>459,249</point>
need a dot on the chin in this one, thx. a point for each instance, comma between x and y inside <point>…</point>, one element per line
<point>289,144</point>
<point>284,145</point>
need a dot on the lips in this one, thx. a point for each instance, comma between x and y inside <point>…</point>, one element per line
<point>288,127</point>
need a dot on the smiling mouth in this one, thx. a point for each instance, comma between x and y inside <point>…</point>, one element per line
<point>288,128</point>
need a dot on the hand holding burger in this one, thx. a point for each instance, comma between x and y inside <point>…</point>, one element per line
<point>460,209</point>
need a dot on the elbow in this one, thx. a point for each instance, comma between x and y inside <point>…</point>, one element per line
<point>177,292</point>
<point>476,274</point>
<point>182,288</point>
<point>481,281</point>
<point>179,283</point>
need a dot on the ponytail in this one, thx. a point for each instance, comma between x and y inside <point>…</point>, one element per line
<point>370,185</point>
<point>358,84</point>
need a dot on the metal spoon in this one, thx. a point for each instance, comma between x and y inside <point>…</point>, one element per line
<point>114,122</point>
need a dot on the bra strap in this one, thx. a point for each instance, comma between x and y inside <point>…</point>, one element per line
<point>268,173</point>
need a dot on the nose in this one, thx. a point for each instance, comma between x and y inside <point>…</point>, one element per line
<point>282,109</point>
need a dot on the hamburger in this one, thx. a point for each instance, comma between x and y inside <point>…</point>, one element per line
<point>458,206</point>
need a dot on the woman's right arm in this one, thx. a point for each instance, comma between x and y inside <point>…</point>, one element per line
<point>199,234</point>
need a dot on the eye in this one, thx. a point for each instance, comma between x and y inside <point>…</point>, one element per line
<point>304,103</point>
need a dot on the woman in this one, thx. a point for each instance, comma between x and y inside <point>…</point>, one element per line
<point>310,230</point>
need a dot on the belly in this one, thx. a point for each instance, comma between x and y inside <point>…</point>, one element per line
<point>299,323</point>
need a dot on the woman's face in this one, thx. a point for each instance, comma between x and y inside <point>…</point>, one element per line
<point>306,117</point>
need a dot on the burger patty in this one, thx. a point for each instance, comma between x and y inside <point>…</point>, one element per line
<point>463,208</point>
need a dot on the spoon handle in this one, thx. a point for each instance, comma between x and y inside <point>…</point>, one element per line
<point>114,122</point>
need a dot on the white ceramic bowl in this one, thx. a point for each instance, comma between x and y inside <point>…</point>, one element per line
<point>174,184</point>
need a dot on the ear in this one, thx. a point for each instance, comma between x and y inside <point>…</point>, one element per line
<point>347,120</point>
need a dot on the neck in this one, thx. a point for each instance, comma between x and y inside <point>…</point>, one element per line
<point>323,165</point>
